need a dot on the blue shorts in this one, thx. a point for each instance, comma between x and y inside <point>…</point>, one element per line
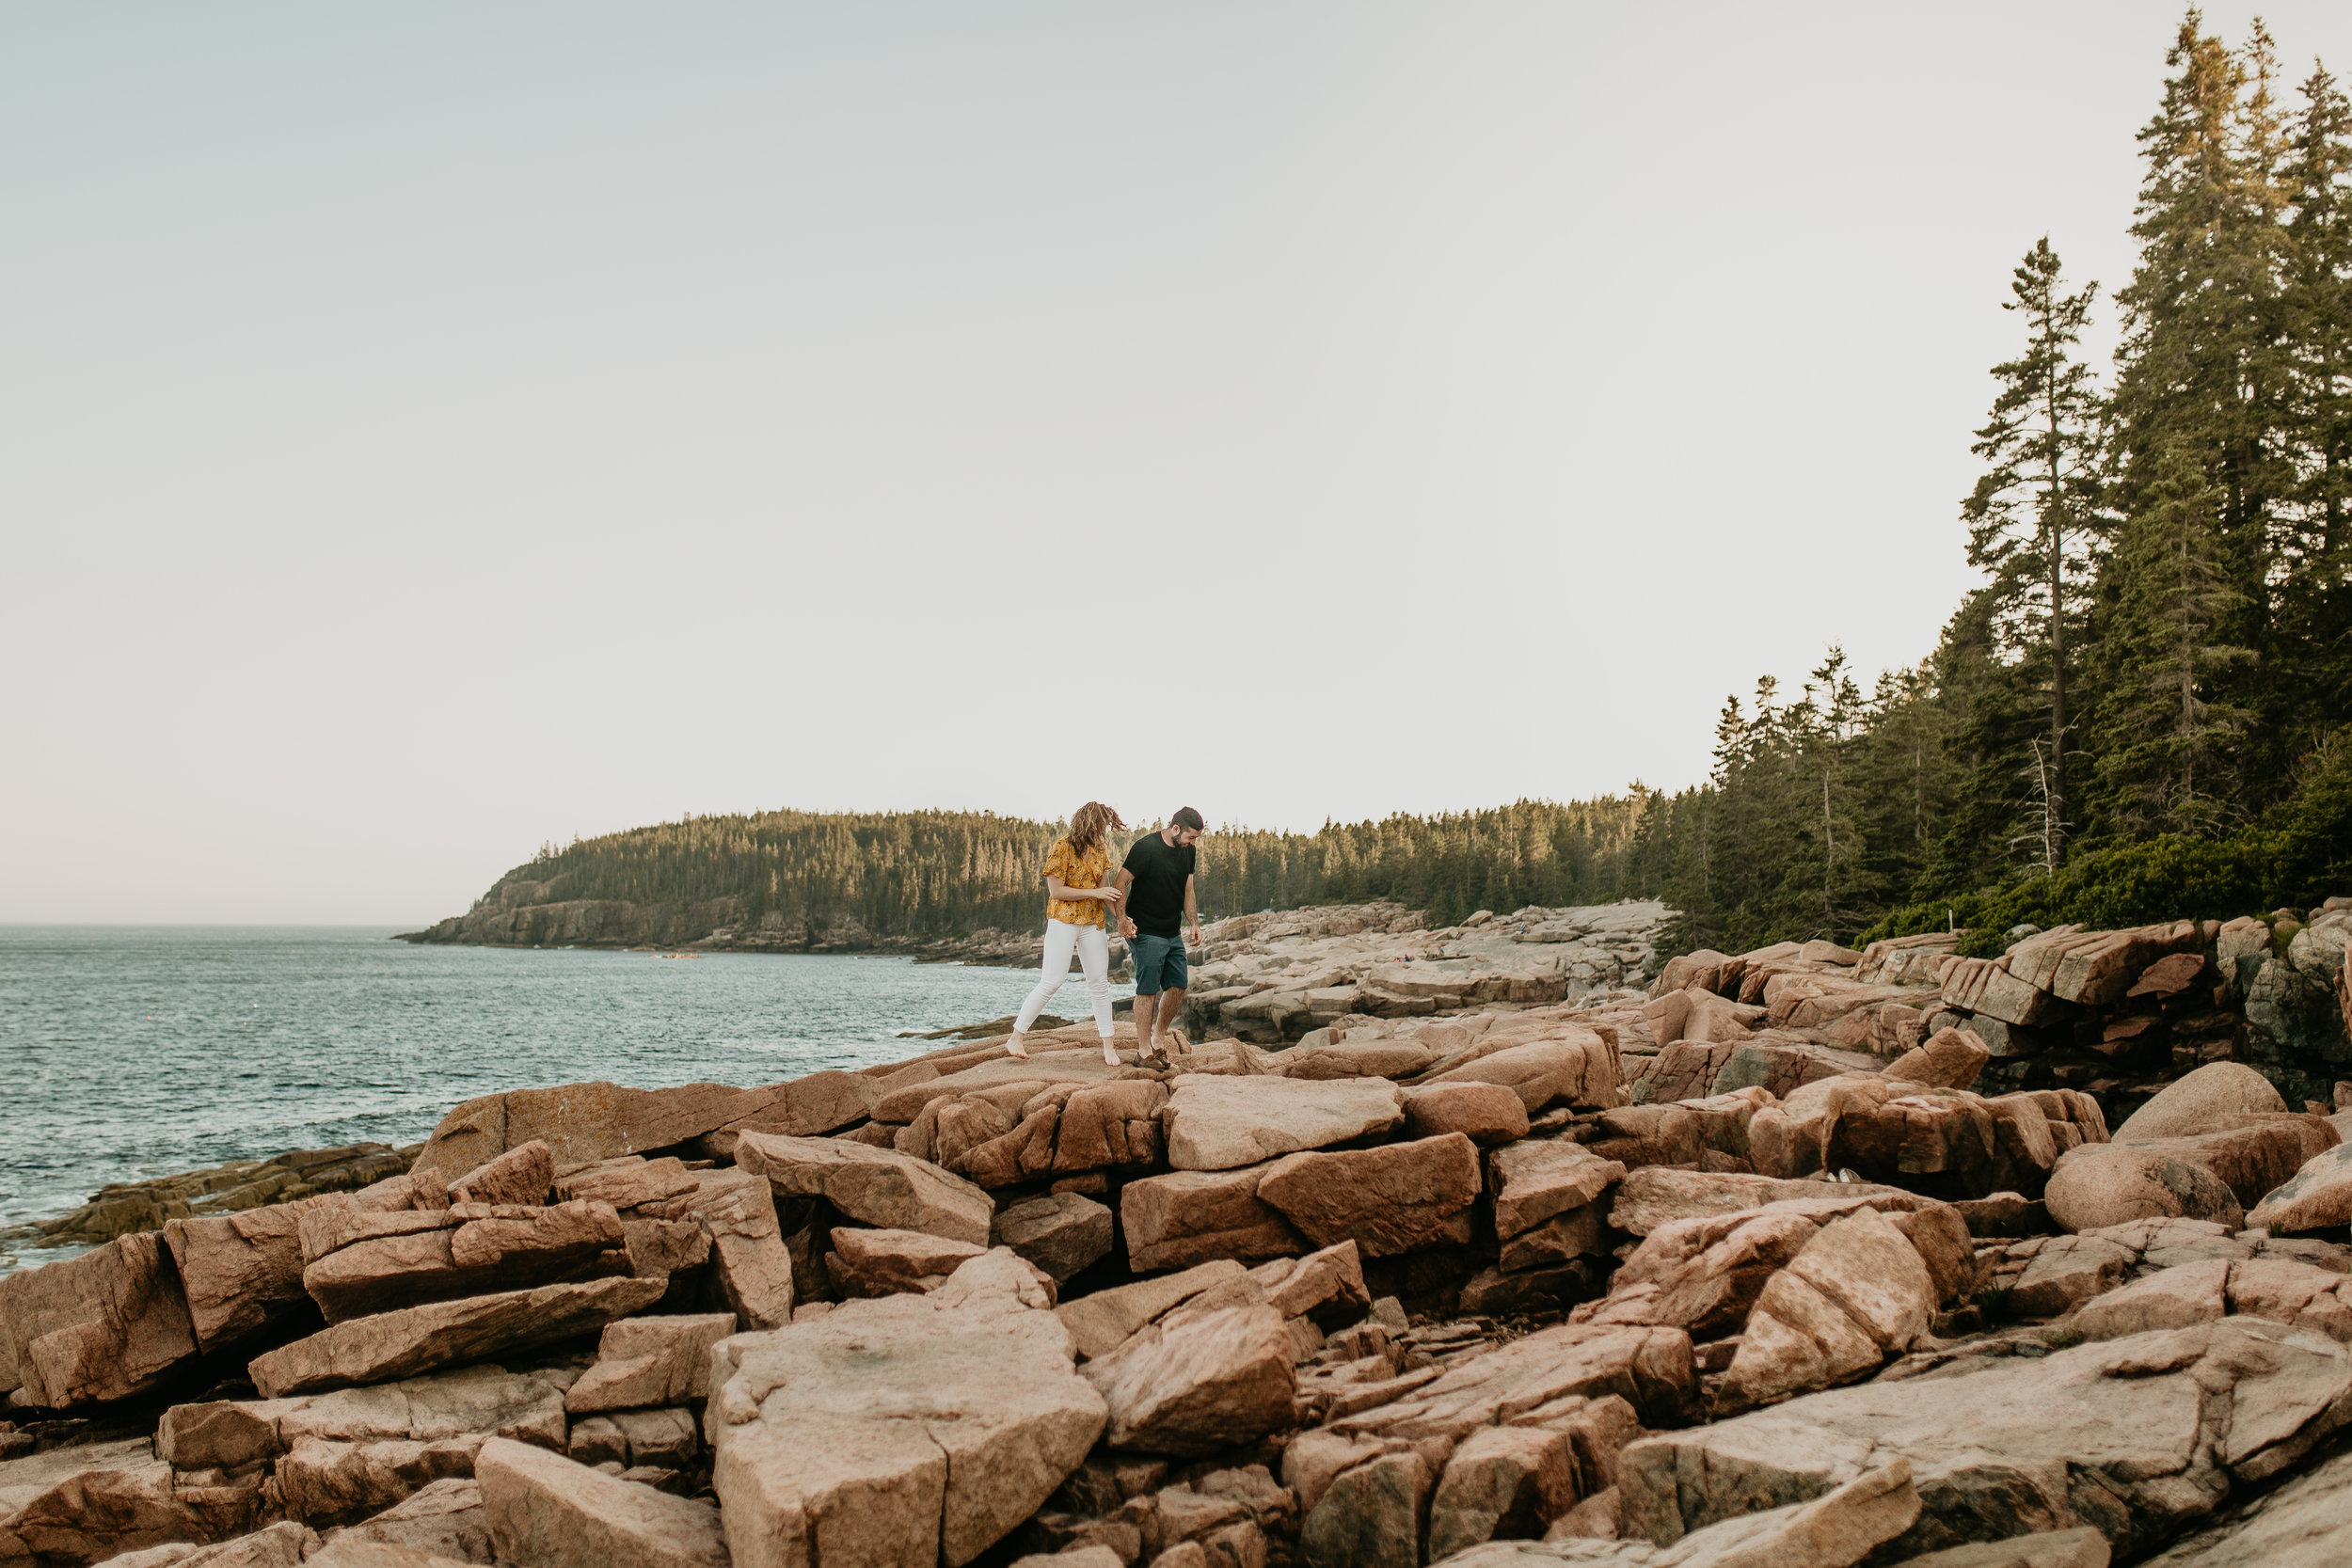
<point>1159,963</point>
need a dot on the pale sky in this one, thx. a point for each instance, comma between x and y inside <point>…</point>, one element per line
<point>427,430</point>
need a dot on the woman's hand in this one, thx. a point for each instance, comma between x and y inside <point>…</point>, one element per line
<point>1110,895</point>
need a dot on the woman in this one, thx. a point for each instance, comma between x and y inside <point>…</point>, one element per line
<point>1076,901</point>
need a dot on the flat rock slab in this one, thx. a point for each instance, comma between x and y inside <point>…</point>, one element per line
<point>1649,1368</point>
<point>582,1123</point>
<point>466,1401</point>
<point>415,1340</point>
<point>880,1187</point>
<point>1389,1200</point>
<point>2134,1436</point>
<point>547,1510</point>
<point>105,1326</point>
<point>1651,1197</point>
<point>904,1103</point>
<point>1221,1123</point>
<point>912,1429</point>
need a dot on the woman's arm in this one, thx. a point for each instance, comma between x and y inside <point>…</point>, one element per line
<point>1056,888</point>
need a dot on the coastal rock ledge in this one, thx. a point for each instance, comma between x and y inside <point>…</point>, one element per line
<point>1803,1256</point>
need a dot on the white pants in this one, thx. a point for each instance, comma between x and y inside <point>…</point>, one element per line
<point>1093,944</point>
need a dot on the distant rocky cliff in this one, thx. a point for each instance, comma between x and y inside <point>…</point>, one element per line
<point>518,913</point>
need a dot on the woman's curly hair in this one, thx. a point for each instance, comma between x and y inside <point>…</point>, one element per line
<point>1089,822</point>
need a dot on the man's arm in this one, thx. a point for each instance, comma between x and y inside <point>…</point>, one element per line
<point>1120,884</point>
<point>1192,916</point>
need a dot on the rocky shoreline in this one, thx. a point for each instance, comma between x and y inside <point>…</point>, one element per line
<point>1444,1252</point>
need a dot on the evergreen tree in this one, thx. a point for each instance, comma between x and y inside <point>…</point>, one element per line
<point>2167,759</point>
<point>2203,371</point>
<point>2033,518</point>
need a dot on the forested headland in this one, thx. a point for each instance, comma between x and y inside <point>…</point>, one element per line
<point>2143,712</point>
<point>937,874</point>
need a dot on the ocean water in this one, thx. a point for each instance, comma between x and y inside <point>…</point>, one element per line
<point>130,1053</point>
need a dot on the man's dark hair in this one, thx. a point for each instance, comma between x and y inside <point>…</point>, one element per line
<point>1188,817</point>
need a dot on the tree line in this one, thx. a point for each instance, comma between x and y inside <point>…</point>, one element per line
<point>2143,711</point>
<point>943,874</point>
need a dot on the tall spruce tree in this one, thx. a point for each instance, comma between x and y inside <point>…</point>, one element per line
<point>2166,760</point>
<point>2315,579</point>
<point>2033,519</point>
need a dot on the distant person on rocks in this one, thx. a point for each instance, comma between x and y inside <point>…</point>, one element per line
<point>1075,904</point>
<point>1157,880</point>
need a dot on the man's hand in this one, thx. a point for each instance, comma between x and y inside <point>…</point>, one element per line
<point>1126,927</point>
<point>1196,936</point>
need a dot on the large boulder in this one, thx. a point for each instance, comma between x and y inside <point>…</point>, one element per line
<point>1484,1113</point>
<point>749,1261</point>
<point>1391,1199</point>
<point>1220,1123</point>
<point>2303,1523</point>
<point>884,1263</point>
<point>1187,1217</point>
<point>415,1340</point>
<point>1199,1381</point>
<point>2198,1102</point>
<point>1856,1294</point>
<point>2134,1437</point>
<point>1060,1232</point>
<point>2316,1198</point>
<point>812,1106</point>
<point>1101,1322</point>
<point>645,1362</point>
<point>105,1325</point>
<point>2108,1185</point>
<point>912,1429</point>
<point>1502,1482</point>
<point>1579,1069</point>
<point>441,1519</point>
<point>547,1510</point>
<point>880,1187</point>
<point>242,1273</point>
<point>1535,1182</point>
<point>96,1499</point>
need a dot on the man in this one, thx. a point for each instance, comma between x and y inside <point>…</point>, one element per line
<point>1156,882</point>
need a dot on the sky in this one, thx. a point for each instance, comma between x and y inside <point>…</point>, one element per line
<point>428,430</point>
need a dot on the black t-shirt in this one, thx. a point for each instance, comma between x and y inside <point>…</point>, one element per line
<point>1156,901</point>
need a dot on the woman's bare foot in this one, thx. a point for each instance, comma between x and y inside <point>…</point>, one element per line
<point>1018,1046</point>
<point>1111,1054</point>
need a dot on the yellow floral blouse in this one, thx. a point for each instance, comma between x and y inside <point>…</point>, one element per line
<point>1076,870</point>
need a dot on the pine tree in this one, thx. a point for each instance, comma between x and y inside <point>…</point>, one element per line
<point>2203,369</point>
<point>2167,757</point>
<point>2033,518</point>
<point>2316,582</point>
